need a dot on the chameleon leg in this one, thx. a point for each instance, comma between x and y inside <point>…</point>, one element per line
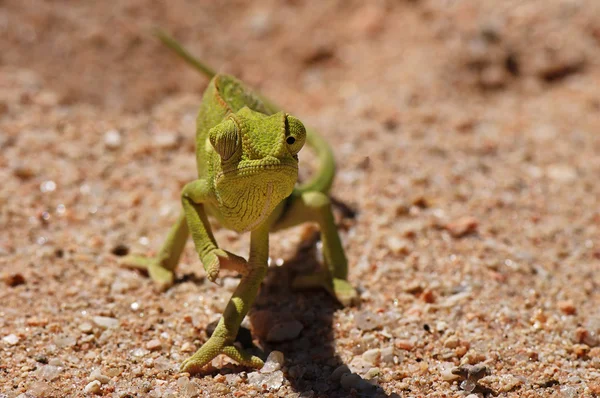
<point>221,341</point>
<point>161,267</point>
<point>213,258</point>
<point>316,207</point>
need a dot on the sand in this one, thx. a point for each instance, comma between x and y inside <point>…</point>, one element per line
<point>466,136</point>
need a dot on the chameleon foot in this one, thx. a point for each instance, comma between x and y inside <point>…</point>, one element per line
<point>163,277</point>
<point>213,347</point>
<point>340,289</point>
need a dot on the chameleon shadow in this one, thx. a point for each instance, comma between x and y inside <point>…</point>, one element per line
<point>310,358</point>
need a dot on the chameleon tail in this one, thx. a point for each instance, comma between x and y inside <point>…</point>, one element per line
<point>322,180</point>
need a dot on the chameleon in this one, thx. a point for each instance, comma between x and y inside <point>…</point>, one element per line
<point>247,160</point>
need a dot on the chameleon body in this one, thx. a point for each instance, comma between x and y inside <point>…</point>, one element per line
<point>247,158</point>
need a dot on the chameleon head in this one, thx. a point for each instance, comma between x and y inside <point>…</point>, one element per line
<point>257,164</point>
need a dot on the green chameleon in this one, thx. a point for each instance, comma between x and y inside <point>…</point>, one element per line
<point>247,159</point>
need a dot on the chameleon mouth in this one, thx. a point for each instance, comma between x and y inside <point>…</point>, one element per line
<point>255,169</point>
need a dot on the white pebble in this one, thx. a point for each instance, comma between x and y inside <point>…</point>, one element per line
<point>112,139</point>
<point>11,339</point>
<point>97,375</point>
<point>86,327</point>
<point>106,322</point>
<point>274,362</point>
<point>268,381</point>
<point>93,387</point>
<point>371,356</point>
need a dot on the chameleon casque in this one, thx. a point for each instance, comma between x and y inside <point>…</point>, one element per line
<point>247,160</point>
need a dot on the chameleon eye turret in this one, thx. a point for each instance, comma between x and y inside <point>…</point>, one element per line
<point>224,137</point>
<point>295,134</point>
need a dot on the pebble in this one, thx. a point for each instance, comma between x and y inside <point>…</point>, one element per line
<point>65,341</point>
<point>86,327</point>
<point>336,375</point>
<point>404,344</point>
<point>462,226</point>
<point>567,307</point>
<point>371,356</point>
<point>387,355</point>
<point>97,375</point>
<point>11,339</point>
<point>49,372</point>
<point>266,381</point>
<point>367,320</point>
<point>274,362</point>
<point>106,322</point>
<point>187,347</point>
<point>13,279</point>
<point>154,345</point>
<point>38,389</point>
<point>284,331</point>
<point>93,387</point>
<point>112,139</point>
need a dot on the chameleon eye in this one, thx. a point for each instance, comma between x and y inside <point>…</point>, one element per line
<point>296,134</point>
<point>225,139</point>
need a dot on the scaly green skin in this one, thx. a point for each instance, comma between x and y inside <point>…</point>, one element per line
<point>247,158</point>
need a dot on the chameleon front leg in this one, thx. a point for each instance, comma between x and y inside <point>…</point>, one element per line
<point>193,197</point>
<point>162,266</point>
<point>316,207</point>
<point>221,341</point>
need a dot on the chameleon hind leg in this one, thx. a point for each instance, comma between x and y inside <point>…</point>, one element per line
<point>315,206</point>
<point>162,266</point>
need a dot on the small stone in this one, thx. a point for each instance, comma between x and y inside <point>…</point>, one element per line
<point>451,342</point>
<point>97,375</point>
<point>39,389</point>
<point>584,336</point>
<point>11,339</point>
<point>447,375</point>
<point>93,387</point>
<point>284,331</point>
<point>154,345</point>
<point>404,344</point>
<point>112,139</point>
<point>387,355</point>
<point>49,372</point>
<point>567,307</point>
<point>187,347</point>
<point>86,327</point>
<point>274,362</point>
<point>162,364</point>
<point>106,322</point>
<point>372,373</point>
<point>462,226</point>
<point>468,385</point>
<point>56,362</point>
<point>367,320</point>
<point>13,279</point>
<point>65,341</point>
<point>266,381</point>
<point>339,371</point>
<point>371,356</point>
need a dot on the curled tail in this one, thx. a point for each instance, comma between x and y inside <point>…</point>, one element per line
<point>322,180</point>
